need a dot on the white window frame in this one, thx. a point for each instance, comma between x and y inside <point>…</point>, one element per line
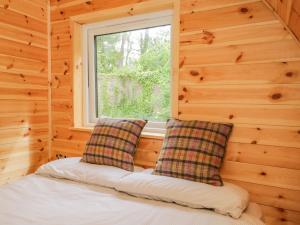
<point>114,26</point>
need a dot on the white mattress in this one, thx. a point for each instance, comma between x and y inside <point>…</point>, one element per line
<point>38,200</point>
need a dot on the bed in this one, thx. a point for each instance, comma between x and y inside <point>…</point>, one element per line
<point>66,192</point>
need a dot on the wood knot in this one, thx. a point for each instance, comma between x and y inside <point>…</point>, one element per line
<point>39,140</point>
<point>276,96</point>
<point>280,209</point>
<point>194,73</point>
<point>283,219</point>
<point>250,17</point>
<point>22,121</point>
<point>263,174</point>
<point>130,12</point>
<point>289,74</point>
<point>179,113</point>
<point>244,10</point>
<point>180,97</point>
<point>231,117</point>
<point>61,13</point>
<point>280,196</point>
<point>208,37</point>
<point>240,56</point>
<point>6,6</point>
<point>258,128</point>
<point>254,142</point>
<point>181,63</point>
<point>201,78</point>
<point>29,93</point>
<point>184,89</point>
<point>88,2</point>
<point>42,149</point>
<point>10,66</point>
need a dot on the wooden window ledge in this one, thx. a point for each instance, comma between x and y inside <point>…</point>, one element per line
<point>144,134</point>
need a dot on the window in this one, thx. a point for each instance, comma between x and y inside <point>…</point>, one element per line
<point>128,66</point>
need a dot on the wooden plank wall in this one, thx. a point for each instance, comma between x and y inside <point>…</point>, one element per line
<point>237,64</point>
<point>289,12</point>
<point>23,87</point>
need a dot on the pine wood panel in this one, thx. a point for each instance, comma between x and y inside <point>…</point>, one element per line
<point>22,108</point>
<point>11,80</point>
<point>64,11</point>
<point>253,33</point>
<point>22,66</point>
<point>22,134</point>
<point>26,8</point>
<point>23,36</point>
<point>23,87</point>
<point>12,48</point>
<point>226,17</point>
<point>280,115</point>
<point>38,144</point>
<point>242,74</point>
<point>275,216</point>
<point>238,94</point>
<point>188,6</point>
<point>289,12</point>
<point>238,64</point>
<point>37,120</point>
<point>19,20</point>
<point>244,53</point>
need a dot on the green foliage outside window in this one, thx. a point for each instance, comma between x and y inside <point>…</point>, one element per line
<point>133,74</point>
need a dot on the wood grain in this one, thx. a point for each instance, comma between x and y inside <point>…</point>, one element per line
<point>23,87</point>
<point>239,64</point>
<point>289,12</point>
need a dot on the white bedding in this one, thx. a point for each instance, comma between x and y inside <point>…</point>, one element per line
<point>69,192</point>
<point>228,200</point>
<point>39,200</point>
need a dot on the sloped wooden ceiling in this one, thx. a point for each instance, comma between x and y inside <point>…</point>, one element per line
<point>289,12</point>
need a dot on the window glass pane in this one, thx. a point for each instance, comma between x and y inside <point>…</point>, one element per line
<point>133,74</point>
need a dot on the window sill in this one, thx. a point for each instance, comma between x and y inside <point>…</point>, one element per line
<point>150,135</point>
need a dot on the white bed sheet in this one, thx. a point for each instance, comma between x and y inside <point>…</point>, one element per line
<point>38,200</point>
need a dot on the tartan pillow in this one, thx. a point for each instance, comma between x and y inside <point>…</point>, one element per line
<point>193,150</point>
<point>113,142</point>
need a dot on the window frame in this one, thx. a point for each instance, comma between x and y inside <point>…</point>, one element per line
<point>113,26</point>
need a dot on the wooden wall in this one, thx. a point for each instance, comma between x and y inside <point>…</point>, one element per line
<point>237,64</point>
<point>23,87</point>
<point>289,12</point>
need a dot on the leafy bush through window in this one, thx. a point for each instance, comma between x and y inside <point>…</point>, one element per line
<point>133,74</point>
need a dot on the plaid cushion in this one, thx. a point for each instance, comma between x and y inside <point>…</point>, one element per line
<point>193,150</point>
<point>113,143</point>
